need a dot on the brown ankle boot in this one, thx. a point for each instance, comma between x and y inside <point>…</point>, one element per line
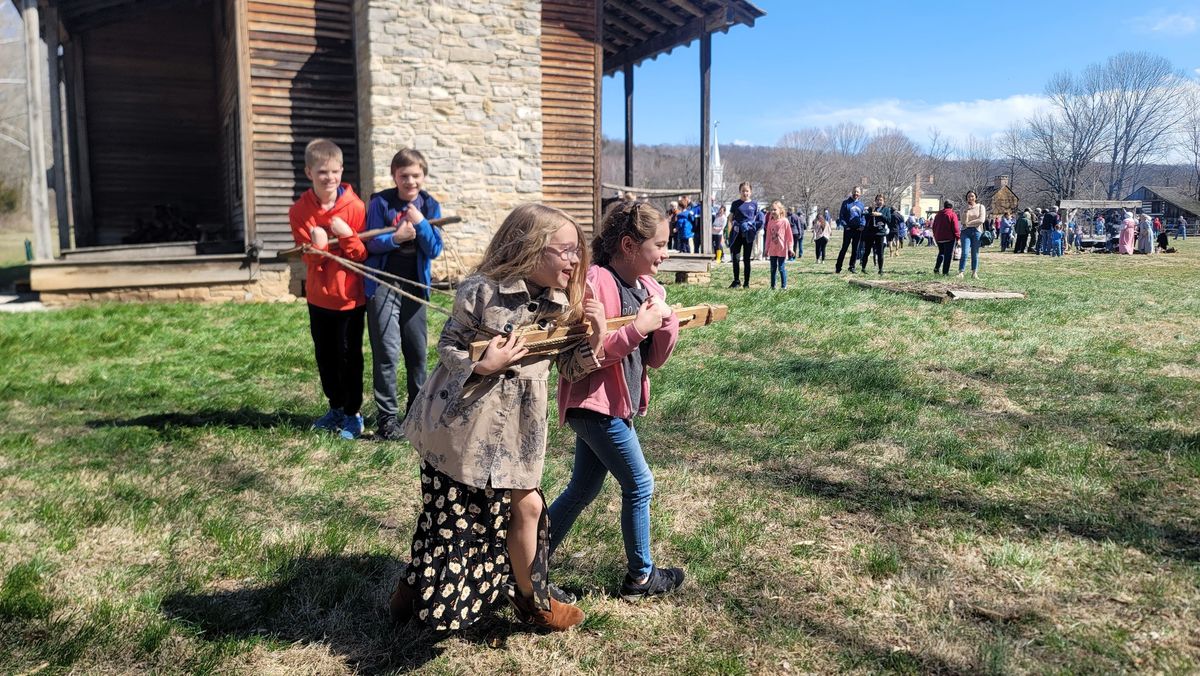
<point>560,617</point>
<point>401,604</point>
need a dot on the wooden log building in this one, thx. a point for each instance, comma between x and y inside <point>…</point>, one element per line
<point>177,127</point>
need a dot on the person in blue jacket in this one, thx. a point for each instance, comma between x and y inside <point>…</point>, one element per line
<point>685,224</point>
<point>397,324</point>
<point>853,216</point>
<point>745,221</point>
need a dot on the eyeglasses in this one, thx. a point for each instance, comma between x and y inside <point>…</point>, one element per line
<point>567,253</point>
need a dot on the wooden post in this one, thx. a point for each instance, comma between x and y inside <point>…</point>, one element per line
<point>245,128</point>
<point>54,70</point>
<point>81,173</point>
<point>629,124</point>
<point>702,242</point>
<point>43,244</point>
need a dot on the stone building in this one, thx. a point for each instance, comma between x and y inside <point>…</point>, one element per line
<point>176,128</point>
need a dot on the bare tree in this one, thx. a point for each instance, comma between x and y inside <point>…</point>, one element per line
<point>808,165</point>
<point>1142,92</point>
<point>1190,136</point>
<point>1058,145</point>
<point>891,161</point>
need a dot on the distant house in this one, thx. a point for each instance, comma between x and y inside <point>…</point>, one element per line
<point>922,197</point>
<point>175,129</point>
<point>999,197</point>
<point>1167,203</point>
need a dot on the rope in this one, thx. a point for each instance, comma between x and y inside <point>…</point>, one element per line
<point>371,274</point>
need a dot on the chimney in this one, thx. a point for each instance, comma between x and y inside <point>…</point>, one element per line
<point>1002,181</point>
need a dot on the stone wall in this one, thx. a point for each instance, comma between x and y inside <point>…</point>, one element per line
<point>270,286</point>
<point>459,80</point>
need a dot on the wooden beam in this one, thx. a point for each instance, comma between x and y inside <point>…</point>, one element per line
<point>652,192</point>
<point>703,241</point>
<point>81,170</point>
<point>629,124</point>
<point>681,35</point>
<point>245,130</point>
<point>687,6</point>
<point>63,276</point>
<point>54,70</point>
<point>597,134</point>
<point>35,63</point>
<point>626,8</point>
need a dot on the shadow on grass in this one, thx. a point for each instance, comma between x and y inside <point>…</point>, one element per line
<point>881,497</point>
<point>240,418</point>
<point>335,601</point>
<point>12,276</point>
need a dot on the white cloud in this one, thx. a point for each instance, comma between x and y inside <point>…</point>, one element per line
<point>956,120</point>
<point>741,142</point>
<point>1169,24</point>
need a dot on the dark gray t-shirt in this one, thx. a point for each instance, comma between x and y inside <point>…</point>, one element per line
<point>632,298</point>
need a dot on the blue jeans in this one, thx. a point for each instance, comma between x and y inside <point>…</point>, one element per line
<point>970,240</point>
<point>779,263</point>
<point>605,444</point>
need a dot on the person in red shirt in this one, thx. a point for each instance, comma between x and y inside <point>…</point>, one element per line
<point>336,304</point>
<point>946,231</point>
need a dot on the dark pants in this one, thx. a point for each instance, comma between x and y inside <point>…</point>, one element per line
<point>716,244</point>
<point>685,244</point>
<point>1005,241</point>
<point>1044,242</point>
<point>945,255</point>
<point>397,326</point>
<point>337,342</point>
<point>821,242</point>
<point>872,243</point>
<point>741,247</point>
<point>1022,241</point>
<point>850,241</point>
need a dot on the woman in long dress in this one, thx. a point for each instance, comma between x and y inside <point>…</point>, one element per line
<point>1128,234</point>
<point>1145,235</point>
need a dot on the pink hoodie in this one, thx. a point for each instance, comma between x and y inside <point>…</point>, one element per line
<point>604,390</point>
<point>779,237</point>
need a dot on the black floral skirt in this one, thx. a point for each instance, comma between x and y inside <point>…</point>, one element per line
<point>460,566</point>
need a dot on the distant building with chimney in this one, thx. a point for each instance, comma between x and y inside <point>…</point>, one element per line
<point>999,197</point>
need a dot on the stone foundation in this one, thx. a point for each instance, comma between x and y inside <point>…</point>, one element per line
<point>270,286</point>
<point>460,81</point>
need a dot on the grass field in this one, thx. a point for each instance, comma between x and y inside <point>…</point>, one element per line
<point>854,481</point>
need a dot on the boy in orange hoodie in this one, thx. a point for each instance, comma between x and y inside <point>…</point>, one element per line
<point>336,305</point>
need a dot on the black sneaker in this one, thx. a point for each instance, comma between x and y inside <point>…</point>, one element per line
<point>561,595</point>
<point>389,429</point>
<point>660,581</point>
<point>735,284</point>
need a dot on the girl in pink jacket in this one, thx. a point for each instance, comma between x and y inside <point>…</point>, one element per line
<point>600,407</point>
<point>779,241</point>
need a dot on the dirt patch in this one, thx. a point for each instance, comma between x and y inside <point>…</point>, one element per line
<point>938,292</point>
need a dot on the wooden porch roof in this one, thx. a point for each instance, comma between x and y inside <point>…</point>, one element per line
<point>637,30</point>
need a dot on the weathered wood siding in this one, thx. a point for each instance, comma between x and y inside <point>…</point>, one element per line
<point>571,68</point>
<point>151,117</point>
<point>302,86</point>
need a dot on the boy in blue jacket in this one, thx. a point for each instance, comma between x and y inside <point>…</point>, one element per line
<point>395,323</point>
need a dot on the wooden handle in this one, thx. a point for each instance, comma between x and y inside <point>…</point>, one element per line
<point>377,232</point>
<point>552,341</point>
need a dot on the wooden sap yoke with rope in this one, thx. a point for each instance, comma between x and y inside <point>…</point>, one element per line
<point>371,234</point>
<point>552,341</point>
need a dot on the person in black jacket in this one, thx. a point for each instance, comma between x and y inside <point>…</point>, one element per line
<point>875,233</point>
<point>745,220</point>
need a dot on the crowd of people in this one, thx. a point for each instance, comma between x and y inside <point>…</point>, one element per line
<point>747,232</point>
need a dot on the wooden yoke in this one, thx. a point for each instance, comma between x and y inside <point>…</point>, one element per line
<point>553,341</point>
<point>378,232</point>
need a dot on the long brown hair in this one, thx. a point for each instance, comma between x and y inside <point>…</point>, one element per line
<point>517,247</point>
<point>638,220</point>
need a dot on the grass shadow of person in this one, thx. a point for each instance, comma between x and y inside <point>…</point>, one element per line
<point>246,418</point>
<point>338,601</point>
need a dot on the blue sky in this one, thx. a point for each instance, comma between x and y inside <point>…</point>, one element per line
<point>904,64</point>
